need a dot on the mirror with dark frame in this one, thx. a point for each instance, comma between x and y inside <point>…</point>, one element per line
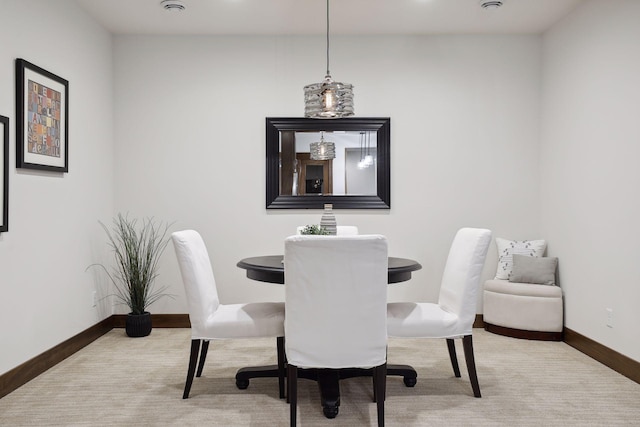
<point>357,177</point>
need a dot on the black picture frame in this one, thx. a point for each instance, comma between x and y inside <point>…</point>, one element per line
<point>380,125</point>
<point>4,173</point>
<point>42,119</point>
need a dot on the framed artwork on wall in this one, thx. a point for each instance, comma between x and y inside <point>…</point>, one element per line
<point>42,119</point>
<point>4,173</point>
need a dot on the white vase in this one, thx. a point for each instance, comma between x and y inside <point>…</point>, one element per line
<point>328,220</point>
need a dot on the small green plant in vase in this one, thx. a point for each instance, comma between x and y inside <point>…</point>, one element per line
<point>314,229</point>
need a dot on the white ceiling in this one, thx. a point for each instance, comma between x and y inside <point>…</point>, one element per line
<point>288,17</point>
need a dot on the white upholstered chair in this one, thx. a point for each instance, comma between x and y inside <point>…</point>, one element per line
<point>523,310</point>
<point>454,314</point>
<point>336,297</point>
<point>342,230</point>
<point>211,320</point>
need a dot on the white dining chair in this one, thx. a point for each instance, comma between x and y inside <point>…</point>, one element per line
<point>211,320</point>
<point>335,298</point>
<point>342,230</point>
<point>454,313</point>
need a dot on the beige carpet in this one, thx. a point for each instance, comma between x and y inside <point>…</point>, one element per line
<point>120,381</point>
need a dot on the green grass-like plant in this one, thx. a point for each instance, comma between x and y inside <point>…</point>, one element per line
<point>314,229</point>
<point>137,251</point>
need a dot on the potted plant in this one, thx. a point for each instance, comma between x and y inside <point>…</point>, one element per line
<point>314,229</point>
<point>137,250</point>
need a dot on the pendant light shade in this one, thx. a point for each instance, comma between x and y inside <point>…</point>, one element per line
<point>328,99</point>
<point>322,150</point>
<point>366,159</point>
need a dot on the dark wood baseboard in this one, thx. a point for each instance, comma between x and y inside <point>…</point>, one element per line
<point>479,322</point>
<point>608,357</point>
<point>30,369</point>
<point>522,334</point>
<point>157,320</point>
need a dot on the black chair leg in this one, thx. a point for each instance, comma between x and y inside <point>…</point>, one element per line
<point>203,357</point>
<point>467,343</point>
<point>281,366</point>
<point>380,390</point>
<point>292,394</point>
<point>374,375</point>
<point>451,345</point>
<point>286,374</point>
<point>193,359</point>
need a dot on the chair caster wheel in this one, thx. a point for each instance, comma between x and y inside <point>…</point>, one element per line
<point>410,382</point>
<point>330,411</point>
<point>242,384</point>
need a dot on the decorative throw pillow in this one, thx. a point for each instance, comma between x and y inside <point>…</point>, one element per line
<point>538,270</point>
<point>506,249</point>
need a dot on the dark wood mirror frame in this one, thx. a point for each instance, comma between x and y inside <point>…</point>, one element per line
<point>380,125</point>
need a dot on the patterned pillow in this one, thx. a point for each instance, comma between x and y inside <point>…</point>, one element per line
<point>506,249</point>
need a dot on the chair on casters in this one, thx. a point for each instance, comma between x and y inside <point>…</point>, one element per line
<point>453,316</point>
<point>335,298</point>
<point>211,320</point>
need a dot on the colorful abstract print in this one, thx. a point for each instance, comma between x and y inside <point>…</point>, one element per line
<point>44,120</point>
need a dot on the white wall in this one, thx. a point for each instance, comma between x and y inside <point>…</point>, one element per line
<point>590,146</point>
<point>46,294</point>
<point>189,147</point>
<point>190,142</point>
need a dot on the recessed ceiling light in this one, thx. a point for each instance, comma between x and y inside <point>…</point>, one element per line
<point>173,5</point>
<point>490,4</point>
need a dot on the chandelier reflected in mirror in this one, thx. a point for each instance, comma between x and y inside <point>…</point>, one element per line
<point>366,159</point>
<point>328,99</point>
<point>323,150</point>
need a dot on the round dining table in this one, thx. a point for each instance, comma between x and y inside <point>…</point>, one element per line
<point>270,269</point>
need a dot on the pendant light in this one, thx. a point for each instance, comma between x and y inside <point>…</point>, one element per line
<point>361,164</point>
<point>368,158</point>
<point>322,150</point>
<point>328,99</point>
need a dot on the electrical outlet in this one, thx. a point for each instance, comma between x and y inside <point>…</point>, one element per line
<point>610,317</point>
<point>94,299</point>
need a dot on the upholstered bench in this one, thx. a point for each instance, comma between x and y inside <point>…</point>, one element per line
<point>523,310</point>
<point>523,300</point>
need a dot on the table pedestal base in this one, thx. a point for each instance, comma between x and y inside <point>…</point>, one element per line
<point>328,380</point>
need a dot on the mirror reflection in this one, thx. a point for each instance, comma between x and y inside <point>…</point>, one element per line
<point>328,163</point>
<point>342,161</point>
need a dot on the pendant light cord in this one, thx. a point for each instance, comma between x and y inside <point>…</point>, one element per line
<point>328,73</point>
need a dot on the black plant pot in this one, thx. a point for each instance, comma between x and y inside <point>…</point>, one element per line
<point>138,325</point>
